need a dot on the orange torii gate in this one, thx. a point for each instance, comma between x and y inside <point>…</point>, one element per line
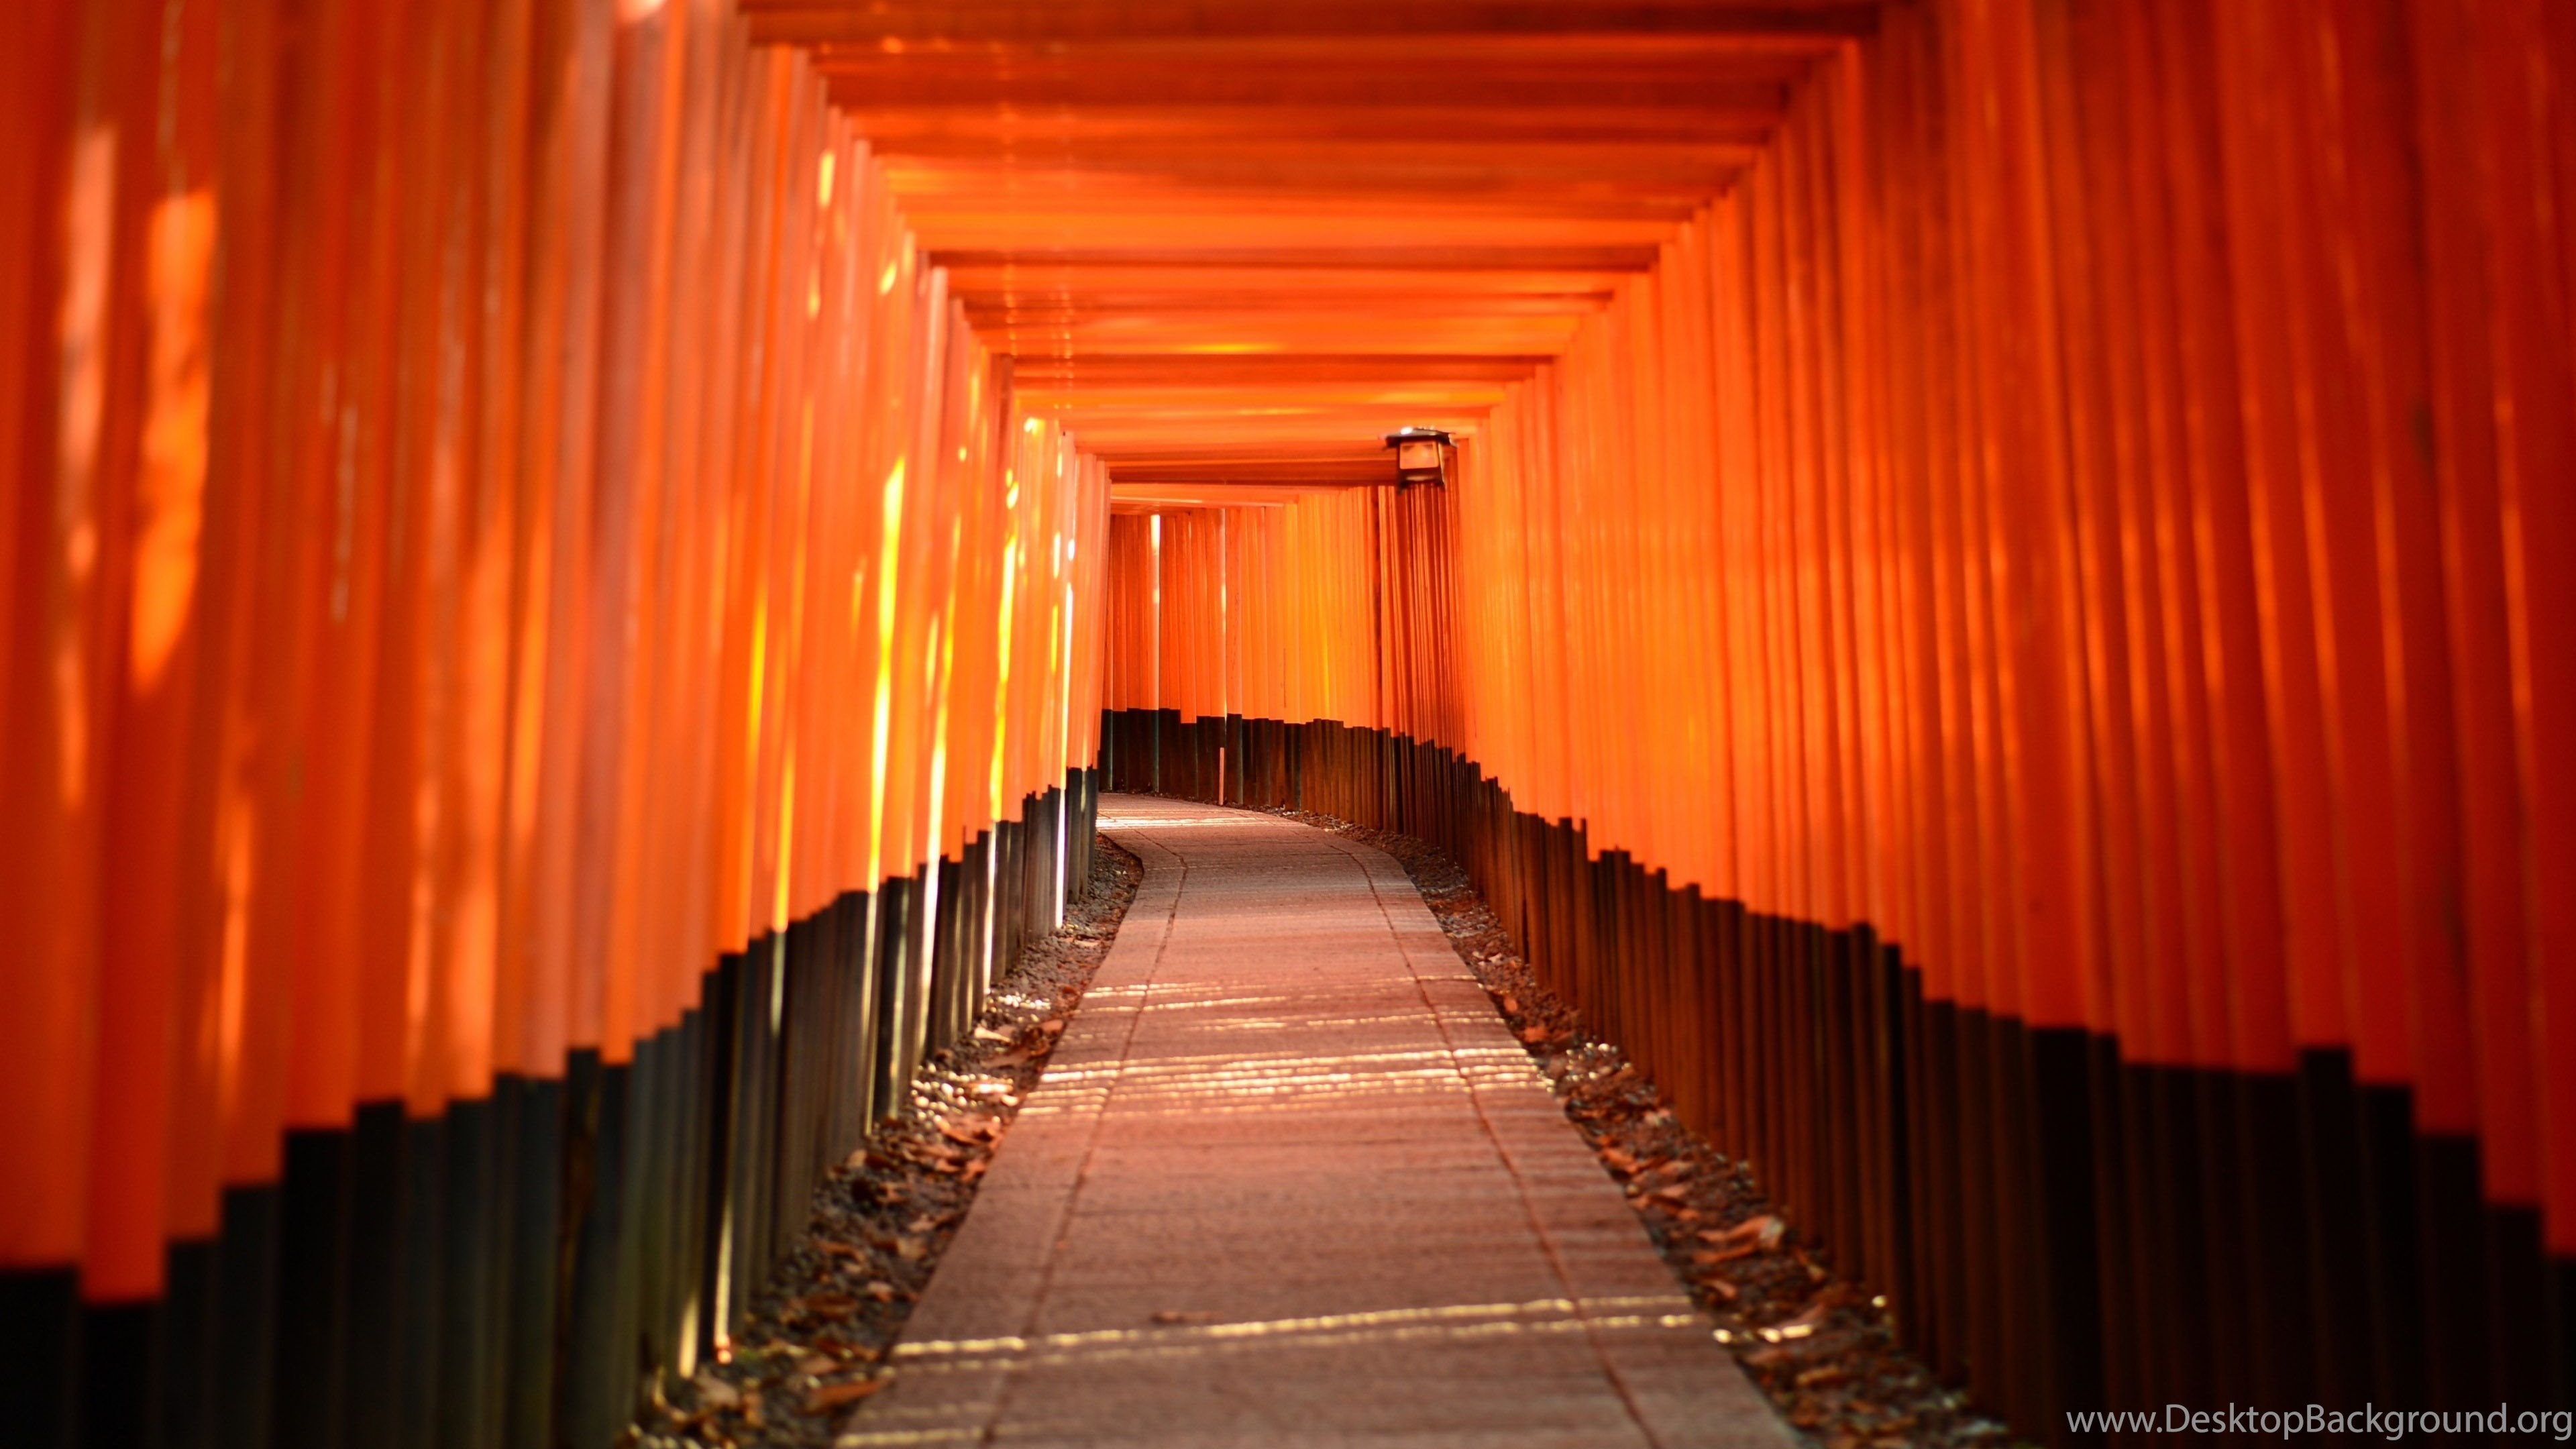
<point>546,667</point>
<point>2016,669</point>
<point>1993,623</point>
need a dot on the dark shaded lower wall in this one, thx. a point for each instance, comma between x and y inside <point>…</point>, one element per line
<point>2054,1227</point>
<point>514,1271</point>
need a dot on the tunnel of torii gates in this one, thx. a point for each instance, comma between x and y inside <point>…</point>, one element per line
<point>574,570</point>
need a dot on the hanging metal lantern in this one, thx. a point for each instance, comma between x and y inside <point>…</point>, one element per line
<point>1422,455</point>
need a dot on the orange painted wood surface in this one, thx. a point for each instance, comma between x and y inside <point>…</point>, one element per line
<point>504,512</point>
<point>510,501</point>
<point>2066,502</point>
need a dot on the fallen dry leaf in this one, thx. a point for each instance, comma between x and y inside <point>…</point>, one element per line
<point>1764,1231</point>
<point>971,1130</point>
<point>1813,1318</point>
<point>1819,1377</point>
<point>1052,1026</point>
<point>715,1393</point>
<point>827,1397</point>
<point>911,1250</point>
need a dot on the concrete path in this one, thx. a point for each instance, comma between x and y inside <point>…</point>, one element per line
<point>1289,1181</point>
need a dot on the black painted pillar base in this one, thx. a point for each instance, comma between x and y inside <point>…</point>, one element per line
<point>119,1345</point>
<point>40,1325</point>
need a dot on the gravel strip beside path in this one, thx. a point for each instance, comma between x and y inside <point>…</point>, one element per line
<point>816,1340</point>
<point>1819,1345</point>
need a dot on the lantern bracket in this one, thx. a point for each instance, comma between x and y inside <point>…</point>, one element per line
<point>1422,455</point>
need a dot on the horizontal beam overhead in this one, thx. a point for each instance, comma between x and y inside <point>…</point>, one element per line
<point>1239,230</point>
<point>958,21</point>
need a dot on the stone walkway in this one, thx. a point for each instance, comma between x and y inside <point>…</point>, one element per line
<point>1288,1181</point>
